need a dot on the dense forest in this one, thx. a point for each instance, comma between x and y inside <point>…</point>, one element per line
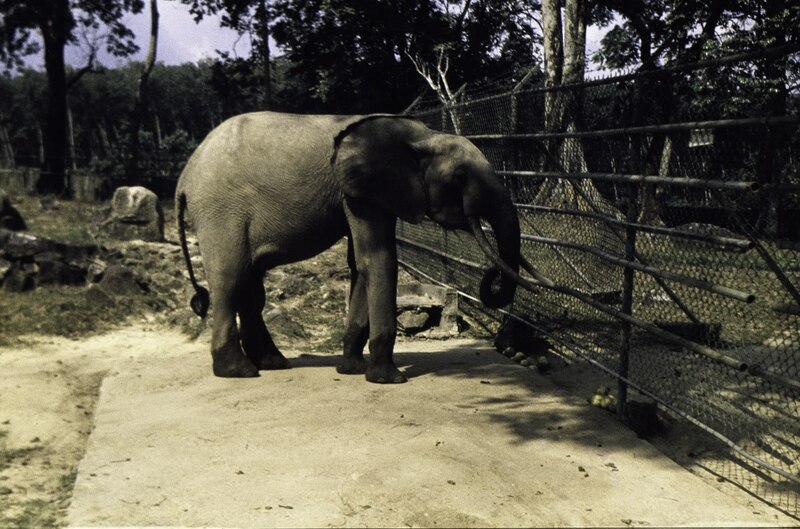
<point>334,56</point>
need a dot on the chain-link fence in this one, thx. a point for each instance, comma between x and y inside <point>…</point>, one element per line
<point>665,205</point>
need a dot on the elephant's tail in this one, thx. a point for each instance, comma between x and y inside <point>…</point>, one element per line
<point>200,300</point>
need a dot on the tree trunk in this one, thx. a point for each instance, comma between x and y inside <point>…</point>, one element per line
<point>40,144</point>
<point>649,206</point>
<point>773,74</point>
<point>157,128</point>
<point>7,149</point>
<point>105,145</point>
<point>71,141</point>
<point>140,107</point>
<point>53,27</point>
<point>564,64</point>
<point>263,21</point>
<point>553,60</point>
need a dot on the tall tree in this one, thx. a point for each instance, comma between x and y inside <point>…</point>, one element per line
<point>252,17</point>
<point>141,105</point>
<point>58,23</point>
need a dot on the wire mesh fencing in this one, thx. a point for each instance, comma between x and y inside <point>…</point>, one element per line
<point>665,205</point>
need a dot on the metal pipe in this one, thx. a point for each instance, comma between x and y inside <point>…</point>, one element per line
<point>664,274</point>
<point>627,303</point>
<point>642,179</point>
<point>787,308</point>
<point>738,244</point>
<point>644,129</point>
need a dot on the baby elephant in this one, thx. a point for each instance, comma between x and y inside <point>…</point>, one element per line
<point>266,189</point>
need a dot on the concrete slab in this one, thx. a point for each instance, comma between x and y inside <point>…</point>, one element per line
<point>472,439</point>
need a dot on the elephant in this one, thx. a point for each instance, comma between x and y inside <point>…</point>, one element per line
<point>266,189</point>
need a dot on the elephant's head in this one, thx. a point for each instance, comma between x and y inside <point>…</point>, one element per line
<point>413,171</point>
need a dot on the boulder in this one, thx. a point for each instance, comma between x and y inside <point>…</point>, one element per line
<point>120,280</point>
<point>53,269</point>
<point>135,215</point>
<point>10,218</point>
<point>21,277</point>
<point>414,321</point>
<point>279,321</point>
<point>99,297</point>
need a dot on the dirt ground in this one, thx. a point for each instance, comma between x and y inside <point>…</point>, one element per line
<point>477,441</point>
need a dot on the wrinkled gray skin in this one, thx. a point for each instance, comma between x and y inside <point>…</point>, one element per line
<point>267,189</point>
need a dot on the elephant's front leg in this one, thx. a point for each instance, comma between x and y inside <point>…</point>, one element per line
<point>356,328</point>
<point>375,253</point>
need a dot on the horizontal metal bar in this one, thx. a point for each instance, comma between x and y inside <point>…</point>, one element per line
<point>465,262</point>
<point>783,244</point>
<point>739,244</point>
<point>656,272</point>
<point>643,129</point>
<point>787,308</point>
<point>640,179</point>
<point>602,307</point>
<point>778,380</point>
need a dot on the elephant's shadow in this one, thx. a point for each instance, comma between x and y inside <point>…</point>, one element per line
<point>459,361</point>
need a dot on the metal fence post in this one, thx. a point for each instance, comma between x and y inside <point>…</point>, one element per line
<point>627,299</point>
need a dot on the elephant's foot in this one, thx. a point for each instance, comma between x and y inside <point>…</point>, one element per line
<point>240,367</point>
<point>385,374</point>
<point>352,365</point>
<point>272,362</point>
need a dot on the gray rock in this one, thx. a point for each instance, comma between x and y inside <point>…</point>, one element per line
<point>5,266</point>
<point>10,218</point>
<point>53,269</point>
<point>278,321</point>
<point>120,280</point>
<point>95,269</point>
<point>21,277</point>
<point>99,297</point>
<point>412,321</point>
<point>23,246</point>
<point>135,215</point>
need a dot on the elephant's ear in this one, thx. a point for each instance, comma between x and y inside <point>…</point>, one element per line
<point>378,158</point>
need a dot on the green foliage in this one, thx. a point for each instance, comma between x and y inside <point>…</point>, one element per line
<point>342,56</point>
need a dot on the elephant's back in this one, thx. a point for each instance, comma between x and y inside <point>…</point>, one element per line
<point>263,145</point>
<point>258,169</point>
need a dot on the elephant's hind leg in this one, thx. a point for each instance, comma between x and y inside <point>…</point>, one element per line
<point>229,359</point>
<point>224,278</point>
<point>256,340</point>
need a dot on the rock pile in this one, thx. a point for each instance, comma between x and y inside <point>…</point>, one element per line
<point>27,261</point>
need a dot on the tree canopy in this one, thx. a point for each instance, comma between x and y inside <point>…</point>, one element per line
<point>343,56</point>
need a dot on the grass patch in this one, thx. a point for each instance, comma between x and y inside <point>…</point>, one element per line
<point>59,310</point>
<point>68,221</point>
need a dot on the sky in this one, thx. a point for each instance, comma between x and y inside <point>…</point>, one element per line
<point>182,40</point>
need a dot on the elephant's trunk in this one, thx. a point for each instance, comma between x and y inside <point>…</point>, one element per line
<point>498,285</point>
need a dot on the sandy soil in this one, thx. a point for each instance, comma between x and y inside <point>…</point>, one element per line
<point>472,440</point>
